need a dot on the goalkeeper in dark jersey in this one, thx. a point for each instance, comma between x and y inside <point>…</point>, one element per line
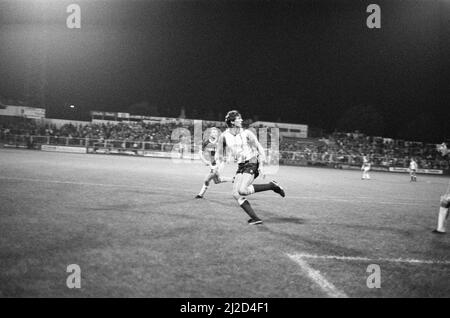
<point>209,147</point>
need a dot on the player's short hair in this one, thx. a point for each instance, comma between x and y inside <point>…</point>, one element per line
<point>211,130</point>
<point>231,116</point>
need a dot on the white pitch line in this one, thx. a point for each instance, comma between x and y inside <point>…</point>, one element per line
<point>373,260</point>
<point>72,182</point>
<point>316,277</point>
<point>111,185</point>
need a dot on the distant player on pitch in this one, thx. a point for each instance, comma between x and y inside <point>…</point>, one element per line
<point>365,168</point>
<point>412,170</point>
<point>445,199</point>
<point>250,158</point>
<point>210,147</point>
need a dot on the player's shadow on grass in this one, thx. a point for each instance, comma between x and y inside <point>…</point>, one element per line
<point>314,243</point>
<point>227,204</point>
<point>108,208</point>
<point>371,228</point>
<point>270,219</point>
<point>146,192</point>
<point>131,207</point>
<point>292,220</point>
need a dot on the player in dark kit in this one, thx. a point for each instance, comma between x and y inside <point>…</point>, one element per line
<point>250,155</point>
<point>210,148</point>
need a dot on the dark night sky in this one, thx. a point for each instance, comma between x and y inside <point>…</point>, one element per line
<point>298,61</point>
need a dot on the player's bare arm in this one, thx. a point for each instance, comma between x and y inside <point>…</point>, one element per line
<point>203,159</point>
<point>261,152</point>
<point>220,149</point>
<point>259,147</point>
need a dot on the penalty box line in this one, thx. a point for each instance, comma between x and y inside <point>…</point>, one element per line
<point>372,260</point>
<point>314,275</point>
<point>331,290</point>
<point>111,185</point>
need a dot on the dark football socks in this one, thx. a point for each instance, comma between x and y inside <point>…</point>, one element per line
<point>249,210</point>
<point>263,187</point>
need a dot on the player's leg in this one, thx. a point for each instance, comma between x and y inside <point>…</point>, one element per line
<point>366,174</point>
<point>242,201</point>
<point>205,186</point>
<point>221,179</point>
<point>225,179</point>
<point>247,188</point>
<point>443,214</point>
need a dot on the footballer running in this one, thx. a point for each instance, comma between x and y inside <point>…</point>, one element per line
<point>250,155</point>
<point>210,147</point>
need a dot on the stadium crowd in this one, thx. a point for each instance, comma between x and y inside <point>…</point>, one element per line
<point>342,148</point>
<point>349,148</point>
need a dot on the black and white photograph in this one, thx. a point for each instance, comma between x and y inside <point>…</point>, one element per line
<point>224,153</point>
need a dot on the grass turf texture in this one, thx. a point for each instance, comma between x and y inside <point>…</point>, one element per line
<point>133,227</point>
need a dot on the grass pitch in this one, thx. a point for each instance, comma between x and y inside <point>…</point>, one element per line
<point>133,227</point>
